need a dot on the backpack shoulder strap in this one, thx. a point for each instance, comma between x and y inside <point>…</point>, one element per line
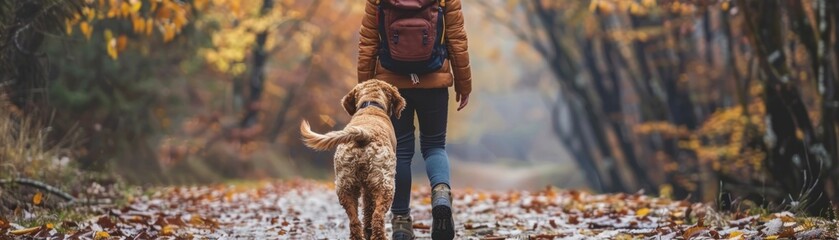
<point>443,36</point>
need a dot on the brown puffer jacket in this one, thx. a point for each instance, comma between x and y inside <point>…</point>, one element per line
<point>457,64</point>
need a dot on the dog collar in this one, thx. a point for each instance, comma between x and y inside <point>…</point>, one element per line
<point>372,103</point>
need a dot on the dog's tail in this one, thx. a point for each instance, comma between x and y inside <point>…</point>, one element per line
<point>323,142</point>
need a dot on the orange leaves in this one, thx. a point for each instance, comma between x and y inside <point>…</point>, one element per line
<point>665,128</point>
<point>114,45</point>
<point>138,24</point>
<point>642,8</point>
<point>4,224</point>
<point>135,6</point>
<point>168,31</point>
<point>642,212</point>
<point>302,209</point>
<point>87,30</point>
<point>170,18</point>
<point>68,27</point>
<point>111,44</point>
<point>38,198</point>
<point>101,235</point>
<point>168,230</point>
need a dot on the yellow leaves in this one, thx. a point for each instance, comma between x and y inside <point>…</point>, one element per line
<point>637,9</point>
<point>601,6</point>
<point>122,42</point>
<point>168,230</point>
<point>693,231</point>
<point>89,13</point>
<point>196,220</point>
<point>138,24</point>
<point>169,30</point>
<point>642,212</point>
<point>86,29</point>
<point>25,230</point>
<point>38,198</point>
<point>199,4</point>
<point>149,24</point>
<point>665,191</point>
<point>125,9</point>
<point>68,25</point>
<point>101,235</point>
<point>111,44</point>
<point>735,235</point>
<point>168,16</point>
<point>179,20</point>
<point>136,5</point>
<point>664,128</point>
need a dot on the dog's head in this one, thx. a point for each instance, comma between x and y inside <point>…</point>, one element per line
<point>376,91</point>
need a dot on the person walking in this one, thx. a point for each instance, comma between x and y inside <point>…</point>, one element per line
<point>419,46</point>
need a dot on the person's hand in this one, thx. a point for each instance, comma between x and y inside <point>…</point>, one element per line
<point>463,99</point>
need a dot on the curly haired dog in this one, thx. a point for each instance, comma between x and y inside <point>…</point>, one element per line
<point>365,159</point>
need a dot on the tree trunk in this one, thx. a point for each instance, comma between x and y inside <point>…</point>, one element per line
<point>256,78</point>
<point>787,116</point>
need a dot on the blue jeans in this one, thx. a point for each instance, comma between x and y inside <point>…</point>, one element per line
<point>431,108</point>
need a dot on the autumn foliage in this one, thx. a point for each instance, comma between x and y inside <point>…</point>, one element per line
<point>705,98</point>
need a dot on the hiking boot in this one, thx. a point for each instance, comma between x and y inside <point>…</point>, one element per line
<point>441,212</point>
<point>403,227</point>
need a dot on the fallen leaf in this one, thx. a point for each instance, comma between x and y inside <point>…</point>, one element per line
<point>168,230</point>
<point>25,231</point>
<point>642,212</point>
<point>101,235</point>
<point>37,199</point>
<point>735,235</point>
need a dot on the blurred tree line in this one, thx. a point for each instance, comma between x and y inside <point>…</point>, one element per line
<point>175,91</point>
<point>713,99</point>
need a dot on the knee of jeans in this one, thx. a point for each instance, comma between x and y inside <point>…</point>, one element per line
<point>429,152</point>
<point>433,141</point>
<point>405,153</point>
<point>404,157</point>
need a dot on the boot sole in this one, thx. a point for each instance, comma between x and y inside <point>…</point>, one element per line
<point>443,228</point>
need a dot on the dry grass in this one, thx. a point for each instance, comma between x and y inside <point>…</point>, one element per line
<point>28,151</point>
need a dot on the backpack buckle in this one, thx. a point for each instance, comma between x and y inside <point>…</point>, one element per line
<point>414,78</point>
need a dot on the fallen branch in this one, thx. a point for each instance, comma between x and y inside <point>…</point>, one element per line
<point>40,185</point>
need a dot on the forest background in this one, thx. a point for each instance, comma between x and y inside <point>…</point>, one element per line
<point>732,102</point>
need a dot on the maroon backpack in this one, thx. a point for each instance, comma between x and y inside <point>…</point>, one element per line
<point>412,35</point>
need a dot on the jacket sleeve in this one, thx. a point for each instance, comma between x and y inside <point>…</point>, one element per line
<point>458,47</point>
<point>368,43</point>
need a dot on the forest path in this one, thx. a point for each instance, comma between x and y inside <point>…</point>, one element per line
<point>304,209</point>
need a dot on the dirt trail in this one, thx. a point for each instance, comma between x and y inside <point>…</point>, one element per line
<point>309,210</point>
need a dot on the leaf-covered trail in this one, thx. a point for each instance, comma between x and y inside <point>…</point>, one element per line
<point>309,210</point>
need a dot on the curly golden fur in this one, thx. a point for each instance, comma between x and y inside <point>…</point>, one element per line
<point>365,158</point>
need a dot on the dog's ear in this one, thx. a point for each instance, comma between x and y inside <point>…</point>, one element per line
<point>397,103</point>
<point>349,101</point>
